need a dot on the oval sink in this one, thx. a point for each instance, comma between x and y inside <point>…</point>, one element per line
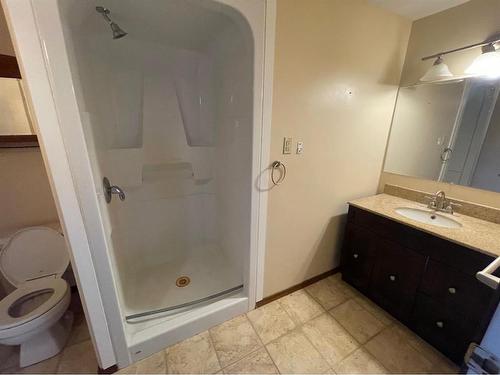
<point>428,217</point>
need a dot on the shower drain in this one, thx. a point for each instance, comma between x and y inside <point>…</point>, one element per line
<point>182,281</point>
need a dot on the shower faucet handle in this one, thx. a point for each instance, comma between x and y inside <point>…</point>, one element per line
<point>109,190</point>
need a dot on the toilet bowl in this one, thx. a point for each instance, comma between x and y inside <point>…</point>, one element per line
<point>34,315</point>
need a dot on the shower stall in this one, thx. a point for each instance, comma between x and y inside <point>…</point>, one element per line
<point>161,102</point>
<point>168,112</point>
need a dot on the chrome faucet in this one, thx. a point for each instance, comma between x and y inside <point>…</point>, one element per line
<point>438,202</point>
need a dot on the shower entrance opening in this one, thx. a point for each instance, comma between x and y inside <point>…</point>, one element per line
<point>165,89</point>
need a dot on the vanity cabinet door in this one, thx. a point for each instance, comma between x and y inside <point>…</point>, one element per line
<point>396,277</point>
<point>447,331</point>
<point>358,257</point>
<point>459,293</point>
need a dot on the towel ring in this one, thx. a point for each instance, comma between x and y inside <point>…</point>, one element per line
<point>446,154</point>
<point>277,165</point>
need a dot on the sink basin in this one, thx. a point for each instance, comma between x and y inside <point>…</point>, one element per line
<point>428,217</point>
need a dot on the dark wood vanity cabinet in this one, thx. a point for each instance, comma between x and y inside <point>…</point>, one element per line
<point>426,282</point>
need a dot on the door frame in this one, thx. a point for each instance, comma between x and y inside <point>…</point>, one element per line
<point>70,175</point>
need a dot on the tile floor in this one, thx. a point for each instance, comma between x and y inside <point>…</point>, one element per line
<point>327,327</point>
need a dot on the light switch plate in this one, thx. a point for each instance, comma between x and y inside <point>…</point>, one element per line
<point>287,145</point>
<point>300,147</point>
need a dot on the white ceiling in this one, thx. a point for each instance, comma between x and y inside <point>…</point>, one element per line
<point>415,9</point>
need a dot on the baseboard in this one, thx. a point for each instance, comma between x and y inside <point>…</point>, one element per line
<point>294,288</point>
<point>109,370</point>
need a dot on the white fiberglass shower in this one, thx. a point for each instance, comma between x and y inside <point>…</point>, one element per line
<point>167,99</point>
<point>169,121</point>
<point>169,110</point>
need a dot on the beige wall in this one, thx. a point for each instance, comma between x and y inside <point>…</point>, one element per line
<point>466,24</point>
<point>6,47</point>
<point>25,196</point>
<point>337,69</point>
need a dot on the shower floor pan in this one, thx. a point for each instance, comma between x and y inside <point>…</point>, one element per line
<point>177,285</point>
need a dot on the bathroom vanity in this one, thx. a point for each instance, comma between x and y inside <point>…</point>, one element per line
<point>424,275</point>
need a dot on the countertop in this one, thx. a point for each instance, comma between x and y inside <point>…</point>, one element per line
<point>479,235</point>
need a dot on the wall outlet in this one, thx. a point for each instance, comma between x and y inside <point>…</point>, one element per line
<point>300,147</point>
<point>287,145</point>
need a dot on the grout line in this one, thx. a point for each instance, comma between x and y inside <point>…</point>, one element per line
<point>335,289</point>
<point>247,354</point>
<point>296,324</point>
<point>317,350</point>
<point>262,342</point>
<point>212,342</point>
<point>165,358</point>
<point>299,325</point>
<point>374,359</point>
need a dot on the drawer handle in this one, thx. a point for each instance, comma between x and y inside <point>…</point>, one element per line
<point>440,324</point>
<point>392,277</point>
<point>355,256</point>
<point>452,290</point>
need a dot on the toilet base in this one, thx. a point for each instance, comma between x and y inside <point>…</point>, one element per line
<point>47,343</point>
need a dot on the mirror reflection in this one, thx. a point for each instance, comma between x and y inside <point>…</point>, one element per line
<point>448,131</point>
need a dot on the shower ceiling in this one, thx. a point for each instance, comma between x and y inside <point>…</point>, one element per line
<point>187,23</point>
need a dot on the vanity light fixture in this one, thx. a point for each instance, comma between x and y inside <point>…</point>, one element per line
<point>487,64</point>
<point>439,70</point>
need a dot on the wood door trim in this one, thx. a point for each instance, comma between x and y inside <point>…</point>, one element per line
<point>12,141</point>
<point>9,67</point>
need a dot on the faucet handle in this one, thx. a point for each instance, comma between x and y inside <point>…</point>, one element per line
<point>432,202</point>
<point>450,205</point>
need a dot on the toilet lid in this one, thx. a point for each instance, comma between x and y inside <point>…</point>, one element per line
<point>32,253</point>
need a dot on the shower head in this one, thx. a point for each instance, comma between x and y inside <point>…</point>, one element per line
<point>117,30</point>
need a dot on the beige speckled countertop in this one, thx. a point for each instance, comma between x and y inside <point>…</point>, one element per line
<point>480,235</point>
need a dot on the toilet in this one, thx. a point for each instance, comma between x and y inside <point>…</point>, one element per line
<point>34,315</point>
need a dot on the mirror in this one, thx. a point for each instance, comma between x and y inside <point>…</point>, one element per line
<point>448,131</point>
<point>16,128</point>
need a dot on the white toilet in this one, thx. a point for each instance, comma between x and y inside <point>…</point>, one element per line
<point>34,315</point>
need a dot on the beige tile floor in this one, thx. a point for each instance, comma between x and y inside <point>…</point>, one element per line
<point>327,327</point>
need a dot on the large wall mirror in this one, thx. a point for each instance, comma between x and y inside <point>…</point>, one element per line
<point>16,129</point>
<point>448,131</point>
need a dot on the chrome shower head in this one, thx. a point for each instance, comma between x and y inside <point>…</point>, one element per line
<point>117,30</point>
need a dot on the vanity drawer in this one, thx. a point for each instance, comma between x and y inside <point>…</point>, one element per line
<point>358,257</point>
<point>456,291</point>
<point>441,328</point>
<point>396,277</point>
<point>457,256</point>
<point>387,228</point>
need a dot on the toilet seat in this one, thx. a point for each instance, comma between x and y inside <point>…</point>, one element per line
<point>30,289</point>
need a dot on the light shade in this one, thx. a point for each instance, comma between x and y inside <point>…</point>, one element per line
<point>438,71</point>
<point>487,64</point>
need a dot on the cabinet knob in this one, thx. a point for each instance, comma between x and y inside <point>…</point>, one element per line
<point>440,324</point>
<point>392,277</point>
<point>355,256</point>
<point>452,290</point>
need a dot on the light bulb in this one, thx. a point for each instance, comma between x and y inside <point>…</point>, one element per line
<point>487,64</point>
